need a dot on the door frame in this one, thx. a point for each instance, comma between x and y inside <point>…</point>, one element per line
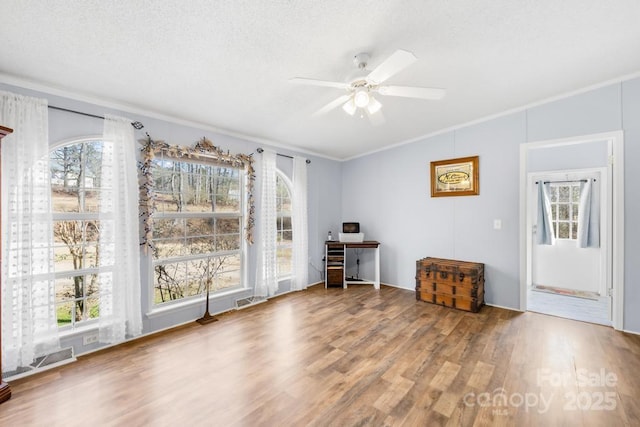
<point>615,175</point>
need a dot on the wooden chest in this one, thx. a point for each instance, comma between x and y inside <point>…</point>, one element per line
<point>457,284</point>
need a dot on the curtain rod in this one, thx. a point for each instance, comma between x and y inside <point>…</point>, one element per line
<point>260,150</point>
<point>137,125</point>
<point>575,180</point>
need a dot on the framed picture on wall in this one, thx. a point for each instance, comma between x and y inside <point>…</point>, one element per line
<point>455,177</point>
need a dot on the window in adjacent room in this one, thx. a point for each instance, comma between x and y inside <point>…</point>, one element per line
<point>565,199</point>
<point>284,230</point>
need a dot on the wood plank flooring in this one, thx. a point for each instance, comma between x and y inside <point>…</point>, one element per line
<point>354,357</point>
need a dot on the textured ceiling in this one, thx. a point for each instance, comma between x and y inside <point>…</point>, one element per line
<point>226,64</point>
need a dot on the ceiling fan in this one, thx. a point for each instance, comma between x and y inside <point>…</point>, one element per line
<point>360,92</point>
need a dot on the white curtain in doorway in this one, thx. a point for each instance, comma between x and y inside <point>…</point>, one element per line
<point>544,230</point>
<point>589,216</point>
<point>267,275</point>
<point>119,266</point>
<point>300,270</point>
<point>29,324</point>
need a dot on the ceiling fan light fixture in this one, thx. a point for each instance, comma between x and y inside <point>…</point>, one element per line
<point>361,98</point>
<point>373,106</point>
<point>349,107</point>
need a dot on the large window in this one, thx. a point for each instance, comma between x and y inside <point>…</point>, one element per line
<point>565,199</point>
<point>75,196</point>
<point>285,234</point>
<point>197,228</point>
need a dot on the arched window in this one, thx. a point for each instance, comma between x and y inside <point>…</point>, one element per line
<point>284,230</point>
<point>75,196</point>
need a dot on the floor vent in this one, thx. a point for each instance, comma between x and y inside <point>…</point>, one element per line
<point>248,302</point>
<point>51,360</point>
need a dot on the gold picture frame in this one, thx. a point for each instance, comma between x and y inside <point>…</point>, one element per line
<point>455,177</point>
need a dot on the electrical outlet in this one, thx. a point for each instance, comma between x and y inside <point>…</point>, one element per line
<point>90,338</point>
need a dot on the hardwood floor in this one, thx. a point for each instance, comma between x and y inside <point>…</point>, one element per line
<point>334,357</point>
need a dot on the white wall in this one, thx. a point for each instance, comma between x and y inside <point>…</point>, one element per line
<point>388,192</point>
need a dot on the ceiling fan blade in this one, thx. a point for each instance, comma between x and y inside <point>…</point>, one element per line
<point>412,92</point>
<point>397,62</point>
<point>314,82</point>
<point>330,106</point>
<point>376,118</point>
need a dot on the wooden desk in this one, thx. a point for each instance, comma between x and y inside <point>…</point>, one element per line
<point>335,262</point>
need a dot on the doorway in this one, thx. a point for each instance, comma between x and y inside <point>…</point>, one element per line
<point>565,279</point>
<point>561,279</point>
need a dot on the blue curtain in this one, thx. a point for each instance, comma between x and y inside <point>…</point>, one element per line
<point>544,232</point>
<point>589,216</point>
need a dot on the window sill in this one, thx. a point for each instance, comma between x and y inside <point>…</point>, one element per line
<point>81,330</point>
<point>160,311</point>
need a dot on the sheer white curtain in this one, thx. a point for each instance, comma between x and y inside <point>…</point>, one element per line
<point>300,265</point>
<point>119,267</point>
<point>544,231</point>
<point>266,277</point>
<point>29,325</point>
<point>589,216</point>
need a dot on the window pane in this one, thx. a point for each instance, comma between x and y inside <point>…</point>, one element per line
<point>553,190</point>
<point>65,289</point>
<point>64,313</point>
<point>75,175</point>
<point>166,248</point>
<point>76,244</point>
<point>574,212</point>
<point>563,212</point>
<point>225,190</point>
<point>554,212</point>
<point>93,308</point>
<point>563,230</point>
<point>574,231</point>
<point>179,280</point>
<point>92,285</point>
<point>200,226</point>
<point>200,245</point>
<point>286,223</point>
<point>227,225</point>
<point>90,201</point>
<point>284,261</point>
<point>563,193</point>
<point>168,228</point>
<point>228,272</point>
<point>575,193</point>
<point>227,203</point>
<point>170,281</point>
<point>227,234</point>
<point>64,200</point>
